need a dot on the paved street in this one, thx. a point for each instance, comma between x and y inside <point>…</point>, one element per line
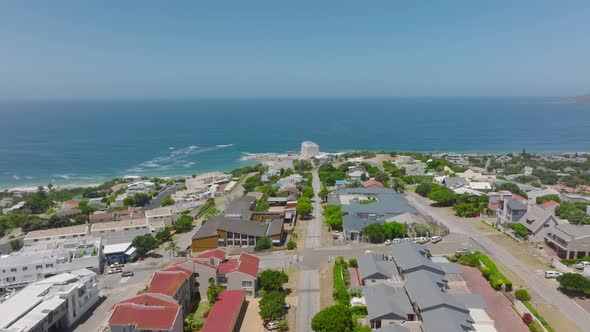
<point>551,295</point>
<point>308,291</point>
<point>156,202</point>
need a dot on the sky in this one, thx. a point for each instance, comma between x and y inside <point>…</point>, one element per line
<point>215,49</point>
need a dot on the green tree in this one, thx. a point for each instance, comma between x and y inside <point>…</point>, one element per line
<point>213,291</point>
<point>547,198</point>
<point>172,248</point>
<point>38,201</point>
<point>422,230</point>
<point>304,207</point>
<point>423,189</point>
<point>522,295</point>
<point>184,223</point>
<point>291,245</point>
<point>511,187</point>
<point>263,243</point>
<point>324,193</point>
<point>272,305</point>
<point>144,244</point>
<point>394,229</point>
<point>442,195</point>
<point>164,235</point>
<point>168,201</point>
<point>399,185</point>
<point>337,318</point>
<point>574,284</point>
<point>262,205</point>
<point>572,212</point>
<point>272,280</point>
<point>374,232</point>
<point>382,177</point>
<point>333,216</point>
<point>519,229</point>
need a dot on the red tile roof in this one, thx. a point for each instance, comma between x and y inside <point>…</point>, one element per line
<point>494,206</point>
<point>179,268</point>
<point>549,204</point>
<point>228,266</point>
<point>151,299</point>
<point>225,312</point>
<point>145,317</point>
<point>517,198</point>
<point>217,253</point>
<point>248,264</point>
<point>372,183</point>
<point>205,264</point>
<point>168,282</point>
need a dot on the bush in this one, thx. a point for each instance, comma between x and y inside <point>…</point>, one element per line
<point>353,262</point>
<point>535,327</point>
<point>495,277</point>
<point>574,283</point>
<point>360,310</point>
<point>527,319</point>
<point>291,245</point>
<point>522,295</point>
<point>263,243</point>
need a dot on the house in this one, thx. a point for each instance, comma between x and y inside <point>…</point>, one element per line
<point>119,253</point>
<point>480,186</point>
<point>309,149</point>
<point>388,305</point>
<point>575,198</point>
<point>373,269</point>
<point>174,282</point>
<point>163,214</point>
<point>569,241</point>
<point>357,175</point>
<point>537,218</point>
<point>512,209</point>
<point>241,208</point>
<point>411,258</point>
<point>53,234</point>
<point>372,183</point>
<point>453,182</point>
<point>52,304</point>
<point>132,317</point>
<point>141,187</point>
<point>414,169</point>
<point>533,194</point>
<point>384,204</point>
<point>528,171</point>
<point>100,216</point>
<point>227,312</point>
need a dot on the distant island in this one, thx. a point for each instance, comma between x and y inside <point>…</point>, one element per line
<point>585,99</point>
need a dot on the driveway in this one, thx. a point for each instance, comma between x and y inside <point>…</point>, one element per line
<point>499,308</point>
<point>567,307</point>
<point>252,321</point>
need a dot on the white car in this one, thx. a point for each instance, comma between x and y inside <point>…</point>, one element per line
<point>422,240</point>
<point>581,265</point>
<point>552,274</point>
<point>435,239</point>
<point>388,242</point>
<point>397,240</point>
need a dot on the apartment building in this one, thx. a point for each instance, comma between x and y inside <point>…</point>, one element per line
<point>71,232</point>
<point>120,231</point>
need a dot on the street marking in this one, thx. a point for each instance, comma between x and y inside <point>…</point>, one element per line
<point>124,280</point>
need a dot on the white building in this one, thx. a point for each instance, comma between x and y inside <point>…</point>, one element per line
<point>53,304</point>
<point>309,149</point>
<point>142,187</point>
<point>163,214</point>
<point>34,262</point>
<point>120,231</point>
<point>64,233</point>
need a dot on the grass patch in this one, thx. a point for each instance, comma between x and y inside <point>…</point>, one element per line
<point>536,314</point>
<point>368,201</point>
<point>202,308</point>
<point>341,281</point>
<point>493,274</point>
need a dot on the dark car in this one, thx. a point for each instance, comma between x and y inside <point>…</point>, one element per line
<point>127,274</point>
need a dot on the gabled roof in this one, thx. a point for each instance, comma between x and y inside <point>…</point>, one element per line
<point>216,253</point>
<point>427,295</point>
<point>168,282</point>
<point>178,267</point>
<point>372,183</point>
<point>385,302</point>
<point>144,317</point>
<point>248,264</point>
<point>372,265</point>
<point>151,299</point>
<point>516,205</point>
<point>225,311</point>
<point>454,181</point>
<point>535,217</point>
<point>410,257</point>
<point>550,204</point>
<point>571,231</point>
<point>392,328</point>
<point>227,266</point>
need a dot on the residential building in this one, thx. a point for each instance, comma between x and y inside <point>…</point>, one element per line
<point>413,169</point>
<point>357,175</point>
<point>163,214</point>
<point>533,194</point>
<point>141,187</point>
<point>569,241</point>
<point>309,149</point>
<point>42,259</point>
<point>385,204</point>
<point>453,182</point>
<point>373,269</point>
<point>388,305</point>
<point>537,218</point>
<point>64,233</point>
<point>175,282</point>
<point>120,231</point>
<point>480,186</point>
<point>101,216</point>
<point>141,317</point>
<point>372,183</point>
<point>573,198</point>
<point>528,171</point>
<point>52,304</point>
<point>227,312</point>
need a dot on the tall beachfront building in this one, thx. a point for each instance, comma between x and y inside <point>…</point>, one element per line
<point>309,149</point>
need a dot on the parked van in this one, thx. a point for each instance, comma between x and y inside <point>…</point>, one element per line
<point>552,274</point>
<point>435,239</point>
<point>581,265</point>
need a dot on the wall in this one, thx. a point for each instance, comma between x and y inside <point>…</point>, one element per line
<point>234,282</point>
<point>202,244</point>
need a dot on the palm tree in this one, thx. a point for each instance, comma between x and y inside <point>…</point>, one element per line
<point>172,247</point>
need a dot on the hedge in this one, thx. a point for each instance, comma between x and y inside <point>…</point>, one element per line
<point>536,314</point>
<point>575,261</point>
<point>360,310</point>
<point>341,281</point>
<point>492,274</point>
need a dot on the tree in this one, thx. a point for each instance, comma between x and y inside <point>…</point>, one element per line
<point>547,198</point>
<point>16,244</point>
<point>527,319</point>
<point>213,291</point>
<point>333,216</point>
<point>511,187</point>
<point>423,188</point>
<point>337,318</point>
<point>374,232</point>
<point>291,245</point>
<point>38,201</point>
<point>574,283</point>
<point>144,244</point>
<point>394,229</point>
<point>272,280</point>
<point>323,194</point>
<point>164,235</point>
<point>420,229</point>
<point>353,262</point>
<point>399,185</point>
<point>442,195</point>
<point>172,247</point>
<point>522,295</point>
<point>304,207</point>
<point>263,243</point>
<point>168,201</point>
<point>272,305</point>
<point>519,229</point>
<point>572,212</point>
<point>184,223</point>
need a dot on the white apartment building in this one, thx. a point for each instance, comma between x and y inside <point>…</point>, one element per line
<point>309,149</point>
<point>47,258</point>
<point>52,304</point>
<point>142,187</point>
<point>120,231</point>
<point>64,233</point>
<point>163,214</point>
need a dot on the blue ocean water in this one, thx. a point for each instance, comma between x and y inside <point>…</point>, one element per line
<point>90,141</point>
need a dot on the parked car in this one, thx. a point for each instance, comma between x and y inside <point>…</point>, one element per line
<point>115,270</point>
<point>114,265</point>
<point>463,251</point>
<point>128,274</point>
<point>397,240</point>
<point>435,239</point>
<point>423,240</point>
<point>388,242</point>
<point>272,325</point>
<point>581,265</point>
<point>552,274</point>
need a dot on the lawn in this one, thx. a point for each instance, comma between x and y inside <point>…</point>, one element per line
<point>202,308</point>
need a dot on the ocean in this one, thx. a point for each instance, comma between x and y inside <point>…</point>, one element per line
<point>66,142</point>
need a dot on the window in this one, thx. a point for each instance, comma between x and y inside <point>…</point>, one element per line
<point>13,270</point>
<point>25,268</point>
<point>38,267</point>
<point>125,229</point>
<point>48,265</point>
<point>246,283</point>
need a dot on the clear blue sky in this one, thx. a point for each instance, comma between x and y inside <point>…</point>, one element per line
<point>137,49</point>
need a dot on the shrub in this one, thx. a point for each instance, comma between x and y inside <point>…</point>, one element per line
<point>291,245</point>
<point>486,272</point>
<point>527,318</point>
<point>360,310</point>
<point>535,327</point>
<point>353,262</point>
<point>522,295</point>
<point>263,243</point>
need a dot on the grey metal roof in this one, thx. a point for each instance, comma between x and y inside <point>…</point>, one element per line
<point>450,267</point>
<point>535,217</point>
<point>372,265</point>
<point>241,207</point>
<point>514,204</point>
<point>471,301</point>
<point>573,231</point>
<point>455,182</point>
<point>275,227</point>
<point>427,295</point>
<point>386,302</point>
<point>248,227</point>
<point>411,257</point>
<point>446,320</point>
<point>392,328</point>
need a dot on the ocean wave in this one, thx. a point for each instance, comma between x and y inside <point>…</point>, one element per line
<point>16,177</point>
<point>65,176</point>
<point>224,145</point>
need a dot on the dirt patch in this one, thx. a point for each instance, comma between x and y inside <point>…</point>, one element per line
<point>326,237</point>
<point>380,158</point>
<point>252,321</point>
<point>292,314</point>
<point>554,317</point>
<point>301,231</point>
<point>293,274</point>
<point>326,285</point>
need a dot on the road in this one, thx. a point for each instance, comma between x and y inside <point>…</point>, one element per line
<point>551,295</point>
<point>308,290</point>
<point>156,202</point>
